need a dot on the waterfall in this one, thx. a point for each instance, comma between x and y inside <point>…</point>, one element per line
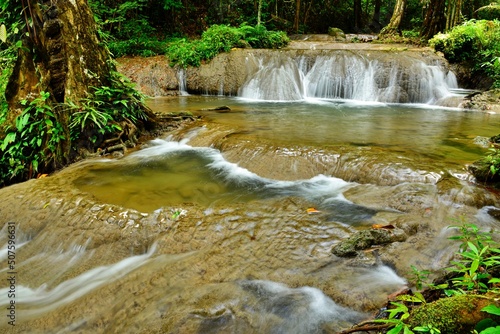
<point>277,78</point>
<point>346,75</point>
<point>181,77</point>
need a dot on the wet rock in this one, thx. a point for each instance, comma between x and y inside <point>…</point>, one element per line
<point>488,101</point>
<point>221,108</point>
<point>366,239</point>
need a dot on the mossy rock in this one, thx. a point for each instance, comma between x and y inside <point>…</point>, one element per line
<point>453,315</point>
<point>337,33</point>
<point>366,239</point>
<point>481,171</point>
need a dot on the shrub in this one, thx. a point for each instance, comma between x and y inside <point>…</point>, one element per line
<point>222,38</point>
<point>144,47</point>
<point>475,42</point>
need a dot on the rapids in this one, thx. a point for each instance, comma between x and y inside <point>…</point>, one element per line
<point>206,230</point>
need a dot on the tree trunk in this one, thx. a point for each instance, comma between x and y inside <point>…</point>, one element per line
<point>357,15</point>
<point>259,13</point>
<point>60,63</point>
<point>397,16</point>
<point>297,16</point>
<point>62,55</point>
<point>375,24</point>
<point>435,20</point>
<point>453,13</point>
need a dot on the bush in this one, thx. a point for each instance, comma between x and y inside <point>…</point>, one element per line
<point>143,47</point>
<point>261,38</point>
<point>222,38</point>
<point>475,42</point>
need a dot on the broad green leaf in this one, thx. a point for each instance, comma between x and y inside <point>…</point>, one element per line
<point>491,330</point>
<point>396,329</point>
<point>9,138</point>
<point>21,121</point>
<point>3,33</point>
<point>407,330</point>
<point>473,267</point>
<point>491,309</point>
<point>472,247</point>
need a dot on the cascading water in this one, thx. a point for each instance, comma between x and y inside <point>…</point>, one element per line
<point>181,77</point>
<point>344,75</point>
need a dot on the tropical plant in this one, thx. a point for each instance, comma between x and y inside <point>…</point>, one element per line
<point>32,142</point>
<point>105,109</point>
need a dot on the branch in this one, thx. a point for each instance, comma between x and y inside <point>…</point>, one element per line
<point>364,327</point>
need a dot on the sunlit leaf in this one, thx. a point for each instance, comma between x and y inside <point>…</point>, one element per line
<point>491,309</point>
<point>3,33</point>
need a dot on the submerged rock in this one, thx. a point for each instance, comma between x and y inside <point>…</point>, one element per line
<point>366,239</point>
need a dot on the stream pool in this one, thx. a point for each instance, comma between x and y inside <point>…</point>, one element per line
<point>210,229</point>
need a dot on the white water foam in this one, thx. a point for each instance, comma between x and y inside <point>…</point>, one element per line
<point>42,300</point>
<point>318,187</point>
<point>351,77</point>
<point>303,309</point>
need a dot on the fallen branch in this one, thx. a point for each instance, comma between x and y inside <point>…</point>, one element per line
<point>365,326</point>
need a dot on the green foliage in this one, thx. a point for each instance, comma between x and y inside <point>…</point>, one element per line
<point>32,142</point>
<point>122,19</point>
<point>172,4</point>
<point>473,275</point>
<point>141,46</point>
<point>261,38</point>
<point>489,12</point>
<point>222,38</point>
<point>477,259</point>
<point>427,329</point>
<point>396,319</point>
<point>475,42</point>
<point>101,113</point>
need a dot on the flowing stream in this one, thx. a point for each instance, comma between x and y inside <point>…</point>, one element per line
<point>207,229</point>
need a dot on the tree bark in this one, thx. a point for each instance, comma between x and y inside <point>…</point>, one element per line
<point>297,16</point>
<point>397,16</point>
<point>435,20</point>
<point>62,54</point>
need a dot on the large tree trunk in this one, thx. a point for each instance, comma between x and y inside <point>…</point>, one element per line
<point>58,68</point>
<point>397,16</point>
<point>435,20</point>
<point>62,54</point>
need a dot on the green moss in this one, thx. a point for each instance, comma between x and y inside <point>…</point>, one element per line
<point>454,315</point>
